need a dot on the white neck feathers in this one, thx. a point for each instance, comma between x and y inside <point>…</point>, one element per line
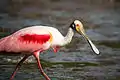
<point>67,39</point>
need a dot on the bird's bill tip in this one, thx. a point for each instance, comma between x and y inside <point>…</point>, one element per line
<point>93,47</point>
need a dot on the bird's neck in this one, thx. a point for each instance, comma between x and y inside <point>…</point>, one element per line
<point>67,39</point>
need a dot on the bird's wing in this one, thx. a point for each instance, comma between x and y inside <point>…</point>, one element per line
<point>35,38</point>
<point>34,34</point>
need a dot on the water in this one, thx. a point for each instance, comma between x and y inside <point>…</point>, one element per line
<point>75,61</point>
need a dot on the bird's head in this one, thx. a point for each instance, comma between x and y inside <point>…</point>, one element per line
<point>78,27</point>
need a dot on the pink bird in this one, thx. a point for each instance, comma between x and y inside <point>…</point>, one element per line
<point>36,39</point>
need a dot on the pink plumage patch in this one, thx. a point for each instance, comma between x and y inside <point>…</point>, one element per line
<point>35,38</point>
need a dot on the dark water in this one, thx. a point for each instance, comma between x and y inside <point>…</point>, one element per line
<point>75,61</point>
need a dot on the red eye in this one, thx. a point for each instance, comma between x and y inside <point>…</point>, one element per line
<point>77,24</point>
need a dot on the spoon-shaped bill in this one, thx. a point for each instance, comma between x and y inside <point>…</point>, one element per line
<point>93,47</point>
<point>81,31</point>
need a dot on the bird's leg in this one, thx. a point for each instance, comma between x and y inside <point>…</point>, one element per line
<point>36,55</point>
<point>18,66</point>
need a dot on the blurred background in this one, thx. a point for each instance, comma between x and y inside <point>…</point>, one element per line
<point>76,61</point>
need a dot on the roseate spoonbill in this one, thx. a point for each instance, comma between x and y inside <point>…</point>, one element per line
<point>37,39</point>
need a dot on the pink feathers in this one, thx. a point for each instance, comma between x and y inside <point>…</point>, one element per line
<point>35,38</point>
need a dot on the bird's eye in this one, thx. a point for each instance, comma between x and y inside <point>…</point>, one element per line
<point>77,24</point>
